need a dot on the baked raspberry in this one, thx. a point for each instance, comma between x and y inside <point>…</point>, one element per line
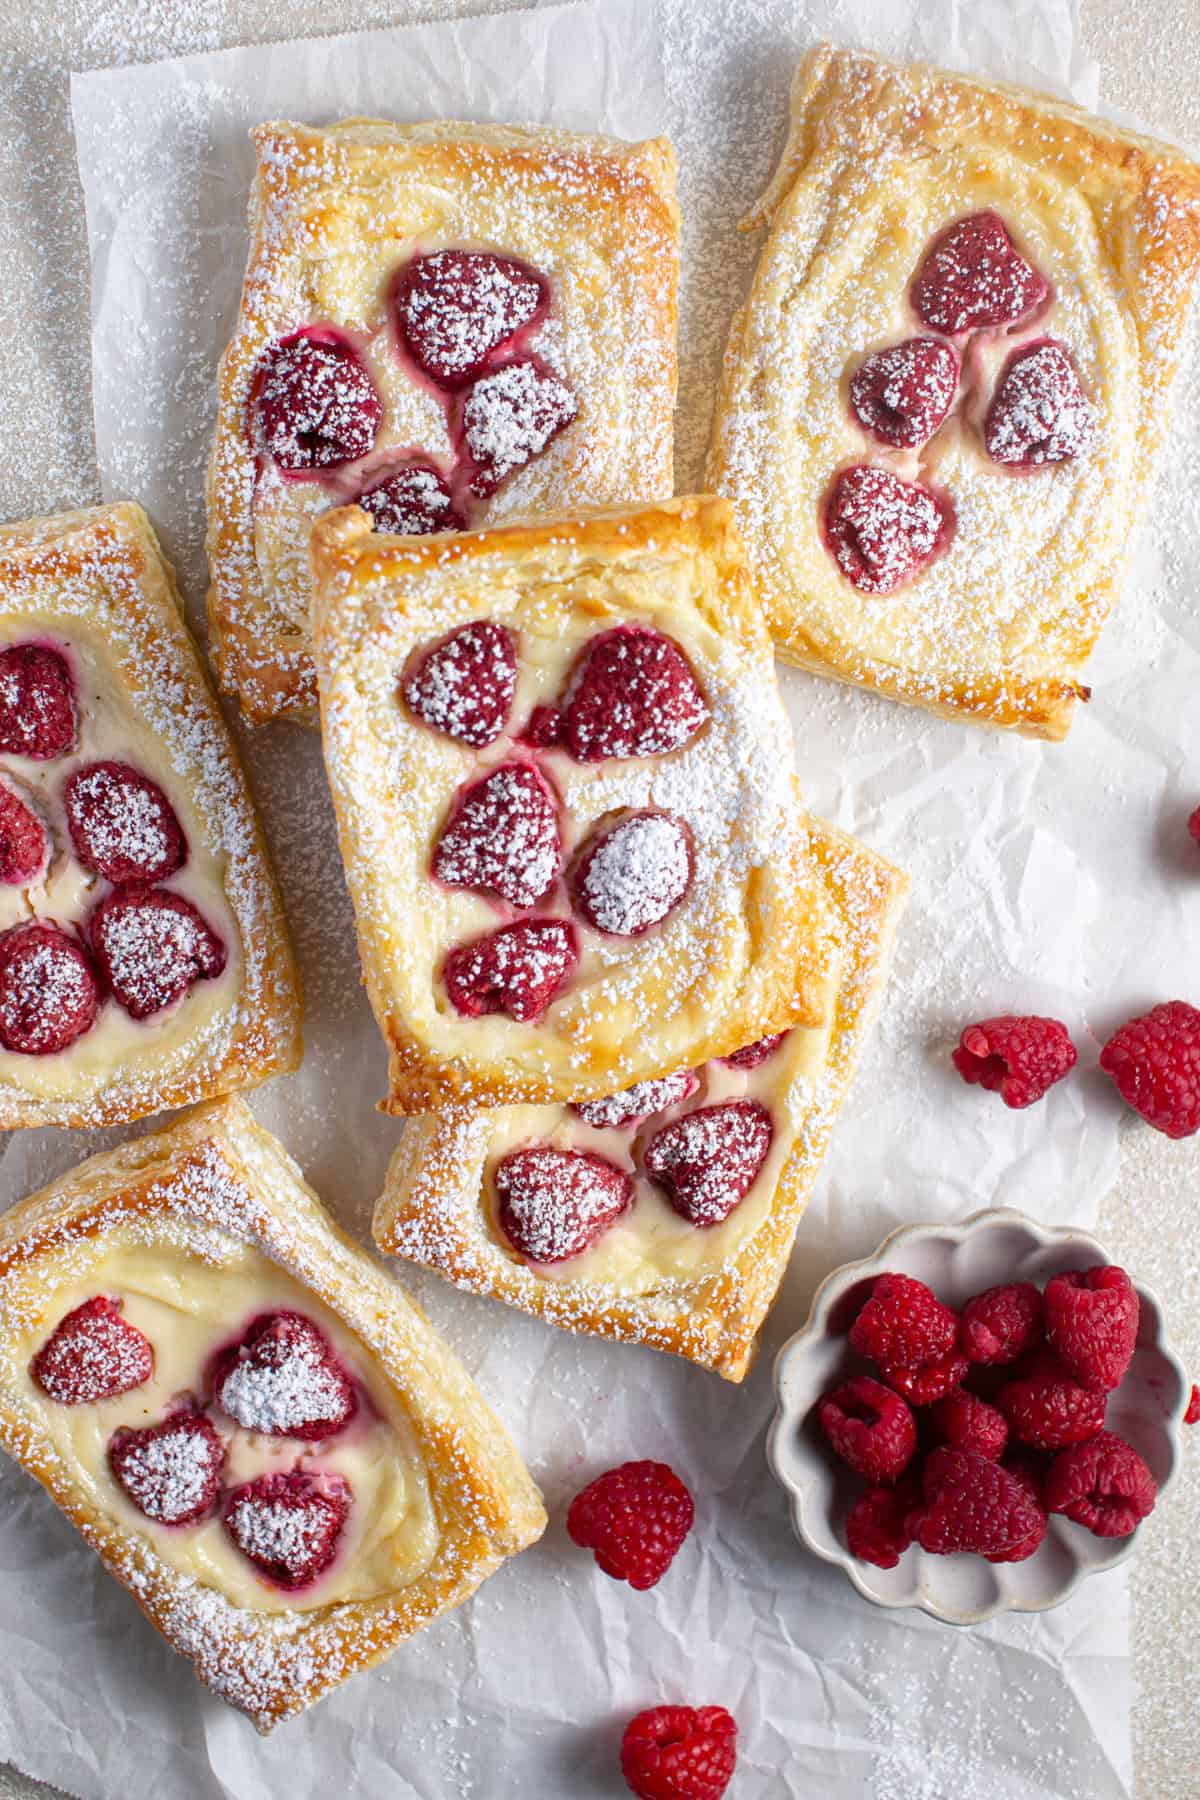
<point>37,703</point>
<point>1192,1415</point>
<point>632,693</point>
<point>283,1380</point>
<point>545,728</point>
<point>554,1204</point>
<point>928,1382</point>
<point>1155,1062</point>
<point>1039,412</point>
<point>92,1354</point>
<point>641,1101</point>
<point>973,276</point>
<point>679,1753</point>
<point>1092,1325</point>
<point>1047,1410</point>
<point>456,308</point>
<point>153,947</point>
<point>756,1053</point>
<point>49,995</point>
<point>288,1525</point>
<point>632,873</point>
<point>24,840</point>
<point>1001,1323</point>
<point>122,825</point>
<point>903,1324</point>
<point>880,529</point>
<point>501,837</point>
<point>1024,1472</point>
<point>413,501</point>
<point>969,1423</point>
<point>1103,1484</point>
<point>877,1524</point>
<point>517,971</point>
<point>463,685</point>
<point>901,394</point>
<point>1020,1058</point>
<point>870,1428</point>
<point>172,1471</point>
<point>315,403</point>
<point>635,1518</point>
<point>510,417</point>
<point>707,1161</point>
<point>972,1504</point>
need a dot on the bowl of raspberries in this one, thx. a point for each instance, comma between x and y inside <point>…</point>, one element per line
<point>977,1416</point>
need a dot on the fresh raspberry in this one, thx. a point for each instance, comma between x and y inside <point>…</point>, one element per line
<point>1024,1472</point>
<point>635,1518</point>
<point>315,402</point>
<point>501,837</point>
<point>1001,1323</point>
<point>288,1525</point>
<point>969,1423</point>
<point>284,1380</point>
<point>707,1161</point>
<point>93,1354</point>
<point>1192,1415</point>
<point>554,1204</point>
<point>413,501</point>
<point>880,529</point>
<point>37,702</point>
<point>49,995</point>
<point>1020,1058</point>
<point>973,276</point>
<point>632,693</point>
<point>632,873</point>
<point>24,840</point>
<point>1155,1063</point>
<point>1039,412</point>
<point>518,970</point>
<point>153,947</point>
<point>903,1325</point>
<point>456,308</point>
<point>755,1053</point>
<point>877,1524</point>
<point>641,1101</point>
<point>463,685</point>
<point>870,1428</point>
<point>928,1382</point>
<point>1103,1484</point>
<point>1047,1410</point>
<point>901,394</point>
<point>509,418</point>
<point>1092,1325</point>
<point>172,1471</point>
<point>122,824</point>
<point>679,1753</point>
<point>972,1504</point>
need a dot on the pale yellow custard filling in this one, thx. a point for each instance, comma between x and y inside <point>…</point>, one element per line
<point>189,1307</point>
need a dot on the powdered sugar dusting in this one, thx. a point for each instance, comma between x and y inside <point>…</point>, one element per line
<point>502,837</point>
<point>635,873</point>
<point>1039,412</point>
<point>640,1101</point>
<point>510,416</point>
<point>172,1474</point>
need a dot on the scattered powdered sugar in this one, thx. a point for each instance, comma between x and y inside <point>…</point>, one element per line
<point>299,1387</point>
<point>635,873</point>
<point>637,1102</point>
<point>510,415</point>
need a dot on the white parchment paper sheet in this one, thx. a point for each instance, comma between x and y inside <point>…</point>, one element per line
<point>1029,864</point>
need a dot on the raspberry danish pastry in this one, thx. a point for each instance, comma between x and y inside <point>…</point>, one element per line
<point>663,1214</point>
<point>247,1420</point>
<point>945,395</point>
<point>144,959</point>
<point>560,768</point>
<point>451,325</point>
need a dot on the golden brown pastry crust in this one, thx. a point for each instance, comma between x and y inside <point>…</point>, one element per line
<point>880,158</point>
<point>102,571</point>
<point>741,956</point>
<point>216,1170</point>
<point>431,1209</point>
<point>332,214</point>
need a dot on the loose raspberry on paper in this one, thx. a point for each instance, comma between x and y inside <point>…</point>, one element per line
<point>679,1753</point>
<point>1092,1325</point>
<point>1047,1410</point>
<point>635,1518</point>
<point>1192,1415</point>
<point>1020,1058</point>
<point>1001,1323</point>
<point>93,1354</point>
<point>869,1427</point>
<point>1155,1062</point>
<point>1104,1485</point>
<point>904,1324</point>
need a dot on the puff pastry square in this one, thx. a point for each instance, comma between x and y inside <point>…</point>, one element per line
<point>945,395</point>
<point>144,958</point>
<point>462,323</point>
<point>183,1250</point>
<point>692,1266</point>
<point>605,875</point>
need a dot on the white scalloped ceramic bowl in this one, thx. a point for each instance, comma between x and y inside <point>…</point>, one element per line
<point>957,1261</point>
